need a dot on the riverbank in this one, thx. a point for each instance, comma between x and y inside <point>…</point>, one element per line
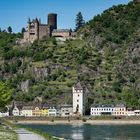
<point>24,134</point>
<point>12,131</point>
<point>73,122</point>
<point>7,133</point>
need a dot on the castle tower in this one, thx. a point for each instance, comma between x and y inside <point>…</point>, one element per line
<point>36,25</point>
<point>78,99</point>
<point>52,21</point>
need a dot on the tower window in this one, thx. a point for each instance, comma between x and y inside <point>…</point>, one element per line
<point>77,100</point>
<point>78,95</point>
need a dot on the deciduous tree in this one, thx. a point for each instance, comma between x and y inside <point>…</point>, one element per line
<point>5,94</point>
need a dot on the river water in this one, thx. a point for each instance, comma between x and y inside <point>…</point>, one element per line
<point>91,132</point>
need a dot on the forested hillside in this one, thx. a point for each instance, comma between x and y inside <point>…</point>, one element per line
<point>105,57</point>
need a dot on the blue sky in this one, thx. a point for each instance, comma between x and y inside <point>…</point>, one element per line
<point>15,13</point>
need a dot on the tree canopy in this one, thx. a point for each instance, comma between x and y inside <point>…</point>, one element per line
<point>9,29</point>
<point>79,21</point>
<point>5,94</point>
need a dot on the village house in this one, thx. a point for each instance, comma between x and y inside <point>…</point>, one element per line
<point>27,111</point>
<point>119,110</point>
<point>37,111</point>
<point>137,112</point>
<point>45,110</point>
<point>66,110</point>
<point>99,110</point>
<point>16,111</point>
<point>53,111</point>
<point>5,112</point>
<point>130,112</point>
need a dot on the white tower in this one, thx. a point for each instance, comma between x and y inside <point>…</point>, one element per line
<point>78,99</point>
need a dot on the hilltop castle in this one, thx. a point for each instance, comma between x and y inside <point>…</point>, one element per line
<point>36,30</point>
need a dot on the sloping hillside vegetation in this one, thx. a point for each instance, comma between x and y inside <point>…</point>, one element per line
<point>105,57</point>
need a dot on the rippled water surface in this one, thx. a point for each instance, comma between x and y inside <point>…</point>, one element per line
<point>91,132</point>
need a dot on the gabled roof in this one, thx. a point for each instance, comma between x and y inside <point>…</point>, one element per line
<point>65,106</point>
<point>27,108</point>
<point>78,85</point>
<point>102,105</point>
<point>60,30</point>
<point>47,106</point>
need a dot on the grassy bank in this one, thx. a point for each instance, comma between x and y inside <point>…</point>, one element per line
<point>14,126</point>
<point>7,133</point>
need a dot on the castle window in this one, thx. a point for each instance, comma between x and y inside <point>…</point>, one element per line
<point>32,33</point>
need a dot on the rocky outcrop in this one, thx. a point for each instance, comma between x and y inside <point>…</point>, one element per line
<point>25,86</point>
<point>40,73</point>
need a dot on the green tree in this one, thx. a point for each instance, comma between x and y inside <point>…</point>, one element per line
<point>9,29</point>
<point>79,21</point>
<point>5,94</point>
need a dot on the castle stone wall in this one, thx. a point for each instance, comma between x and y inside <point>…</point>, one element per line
<point>43,31</point>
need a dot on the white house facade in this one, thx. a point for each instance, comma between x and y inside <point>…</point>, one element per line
<point>66,111</point>
<point>98,110</point>
<point>52,111</point>
<point>27,111</point>
<point>16,111</point>
<point>4,114</point>
<point>137,112</point>
<point>117,110</point>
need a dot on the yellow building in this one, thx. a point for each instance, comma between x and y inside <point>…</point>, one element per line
<point>45,110</point>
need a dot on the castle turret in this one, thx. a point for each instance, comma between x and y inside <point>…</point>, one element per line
<point>52,20</point>
<point>36,25</point>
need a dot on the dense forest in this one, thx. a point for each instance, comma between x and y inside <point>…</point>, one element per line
<point>104,56</point>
